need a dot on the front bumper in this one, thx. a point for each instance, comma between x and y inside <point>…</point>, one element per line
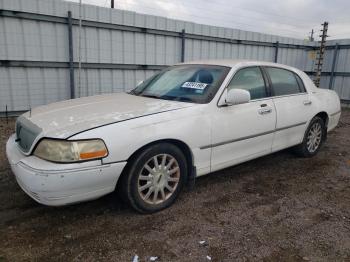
<point>61,184</point>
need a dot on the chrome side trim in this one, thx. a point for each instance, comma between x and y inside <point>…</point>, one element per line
<point>251,136</point>
<point>291,126</point>
<point>305,92</point>
<point>236,140</point>
<point>338,112</point>
<point>296,94</point>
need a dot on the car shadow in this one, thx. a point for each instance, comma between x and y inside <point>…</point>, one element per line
<point>111,204</point>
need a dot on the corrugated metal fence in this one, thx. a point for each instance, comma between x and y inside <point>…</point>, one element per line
<point>336,68</point>
<point>39,51</point>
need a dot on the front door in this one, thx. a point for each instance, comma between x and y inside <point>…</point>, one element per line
<point>245,131</point>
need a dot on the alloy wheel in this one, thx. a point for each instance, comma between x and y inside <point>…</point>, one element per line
<point>158,179</point>
<point>314,137</point>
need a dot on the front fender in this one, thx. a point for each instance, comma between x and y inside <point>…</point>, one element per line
<point>190,125</point>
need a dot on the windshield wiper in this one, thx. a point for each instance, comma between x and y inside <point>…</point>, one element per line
<point>184,99</point>
<point>133,92</point>
<point>178,98</point>
<point>151,96</point>
<point>173,98</point>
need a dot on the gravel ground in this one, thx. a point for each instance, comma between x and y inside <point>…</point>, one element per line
<point>276,208</point>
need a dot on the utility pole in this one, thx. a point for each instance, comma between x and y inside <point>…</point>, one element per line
<point>311,37</point>
<point>112,3</point>
<point>320,54</point>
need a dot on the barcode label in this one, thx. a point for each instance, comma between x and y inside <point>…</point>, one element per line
<point>194,85</point>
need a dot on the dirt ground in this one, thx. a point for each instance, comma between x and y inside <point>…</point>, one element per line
<point>276,208</point>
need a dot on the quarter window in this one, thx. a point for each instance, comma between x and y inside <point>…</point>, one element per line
<point>283,82</point>
<point>301,84</point>
<point>249,79</point>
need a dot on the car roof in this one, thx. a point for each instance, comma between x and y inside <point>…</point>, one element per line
<point>238,62</point>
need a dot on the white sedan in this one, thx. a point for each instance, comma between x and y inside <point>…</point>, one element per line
<point>187,121</point>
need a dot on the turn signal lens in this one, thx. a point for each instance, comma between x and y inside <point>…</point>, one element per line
<point>65,151</point>
<point>97,154</point>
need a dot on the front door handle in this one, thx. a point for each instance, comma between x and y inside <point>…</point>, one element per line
<point>264,111</point>
<point>307,102</point>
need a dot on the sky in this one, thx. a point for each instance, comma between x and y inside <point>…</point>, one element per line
<point>291,18</point>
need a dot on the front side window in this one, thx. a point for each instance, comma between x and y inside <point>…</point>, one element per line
<point>188,83</point>
<point>249,79</point>
<point>283,81</point>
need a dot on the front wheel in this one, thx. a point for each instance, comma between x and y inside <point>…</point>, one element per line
<point>154,178</point>
<point>313,138</point>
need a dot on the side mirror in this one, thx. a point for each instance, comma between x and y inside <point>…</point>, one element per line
<point>236,97</point>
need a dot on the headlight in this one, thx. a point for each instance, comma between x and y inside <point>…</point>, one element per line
<point>66,151</point>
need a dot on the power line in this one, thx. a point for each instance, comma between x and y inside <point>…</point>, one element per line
<point>343,35</point>
<point>229,22</point>
<point>294,19</point>
<point>343,19</point>
<point>230,14</point>
<point>220,18</point>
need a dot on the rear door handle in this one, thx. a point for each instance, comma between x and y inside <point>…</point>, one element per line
<point>307,102</point>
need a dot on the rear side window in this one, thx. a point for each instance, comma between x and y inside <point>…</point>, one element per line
<point>283,82</point>
<point>301,84</point>
<point>249,79</point>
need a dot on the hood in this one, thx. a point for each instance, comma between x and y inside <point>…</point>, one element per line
<point>66,118</point>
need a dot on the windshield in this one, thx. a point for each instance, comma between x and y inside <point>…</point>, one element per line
<point>188,83</point>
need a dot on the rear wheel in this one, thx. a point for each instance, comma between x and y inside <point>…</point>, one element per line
<point>154,178</point>
<point>313,138</point>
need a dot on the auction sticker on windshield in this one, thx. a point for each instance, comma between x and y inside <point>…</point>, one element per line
<point>195,85</point>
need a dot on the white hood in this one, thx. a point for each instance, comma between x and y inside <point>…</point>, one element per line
<point>63,119</point>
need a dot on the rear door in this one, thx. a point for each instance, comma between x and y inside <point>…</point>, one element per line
<point>293,107</point>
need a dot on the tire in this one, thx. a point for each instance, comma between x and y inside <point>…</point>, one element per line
<point>312,143</point>
<point>154,187</point>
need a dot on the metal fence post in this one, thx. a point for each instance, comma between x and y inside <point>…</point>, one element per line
<point>71,64</point>
<point>276,51</point>
<point>334,64</point>
<point>7,116</point>
<point>183,45</point>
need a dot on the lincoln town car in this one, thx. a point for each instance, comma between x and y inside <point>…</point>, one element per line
<point>186,121</point>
